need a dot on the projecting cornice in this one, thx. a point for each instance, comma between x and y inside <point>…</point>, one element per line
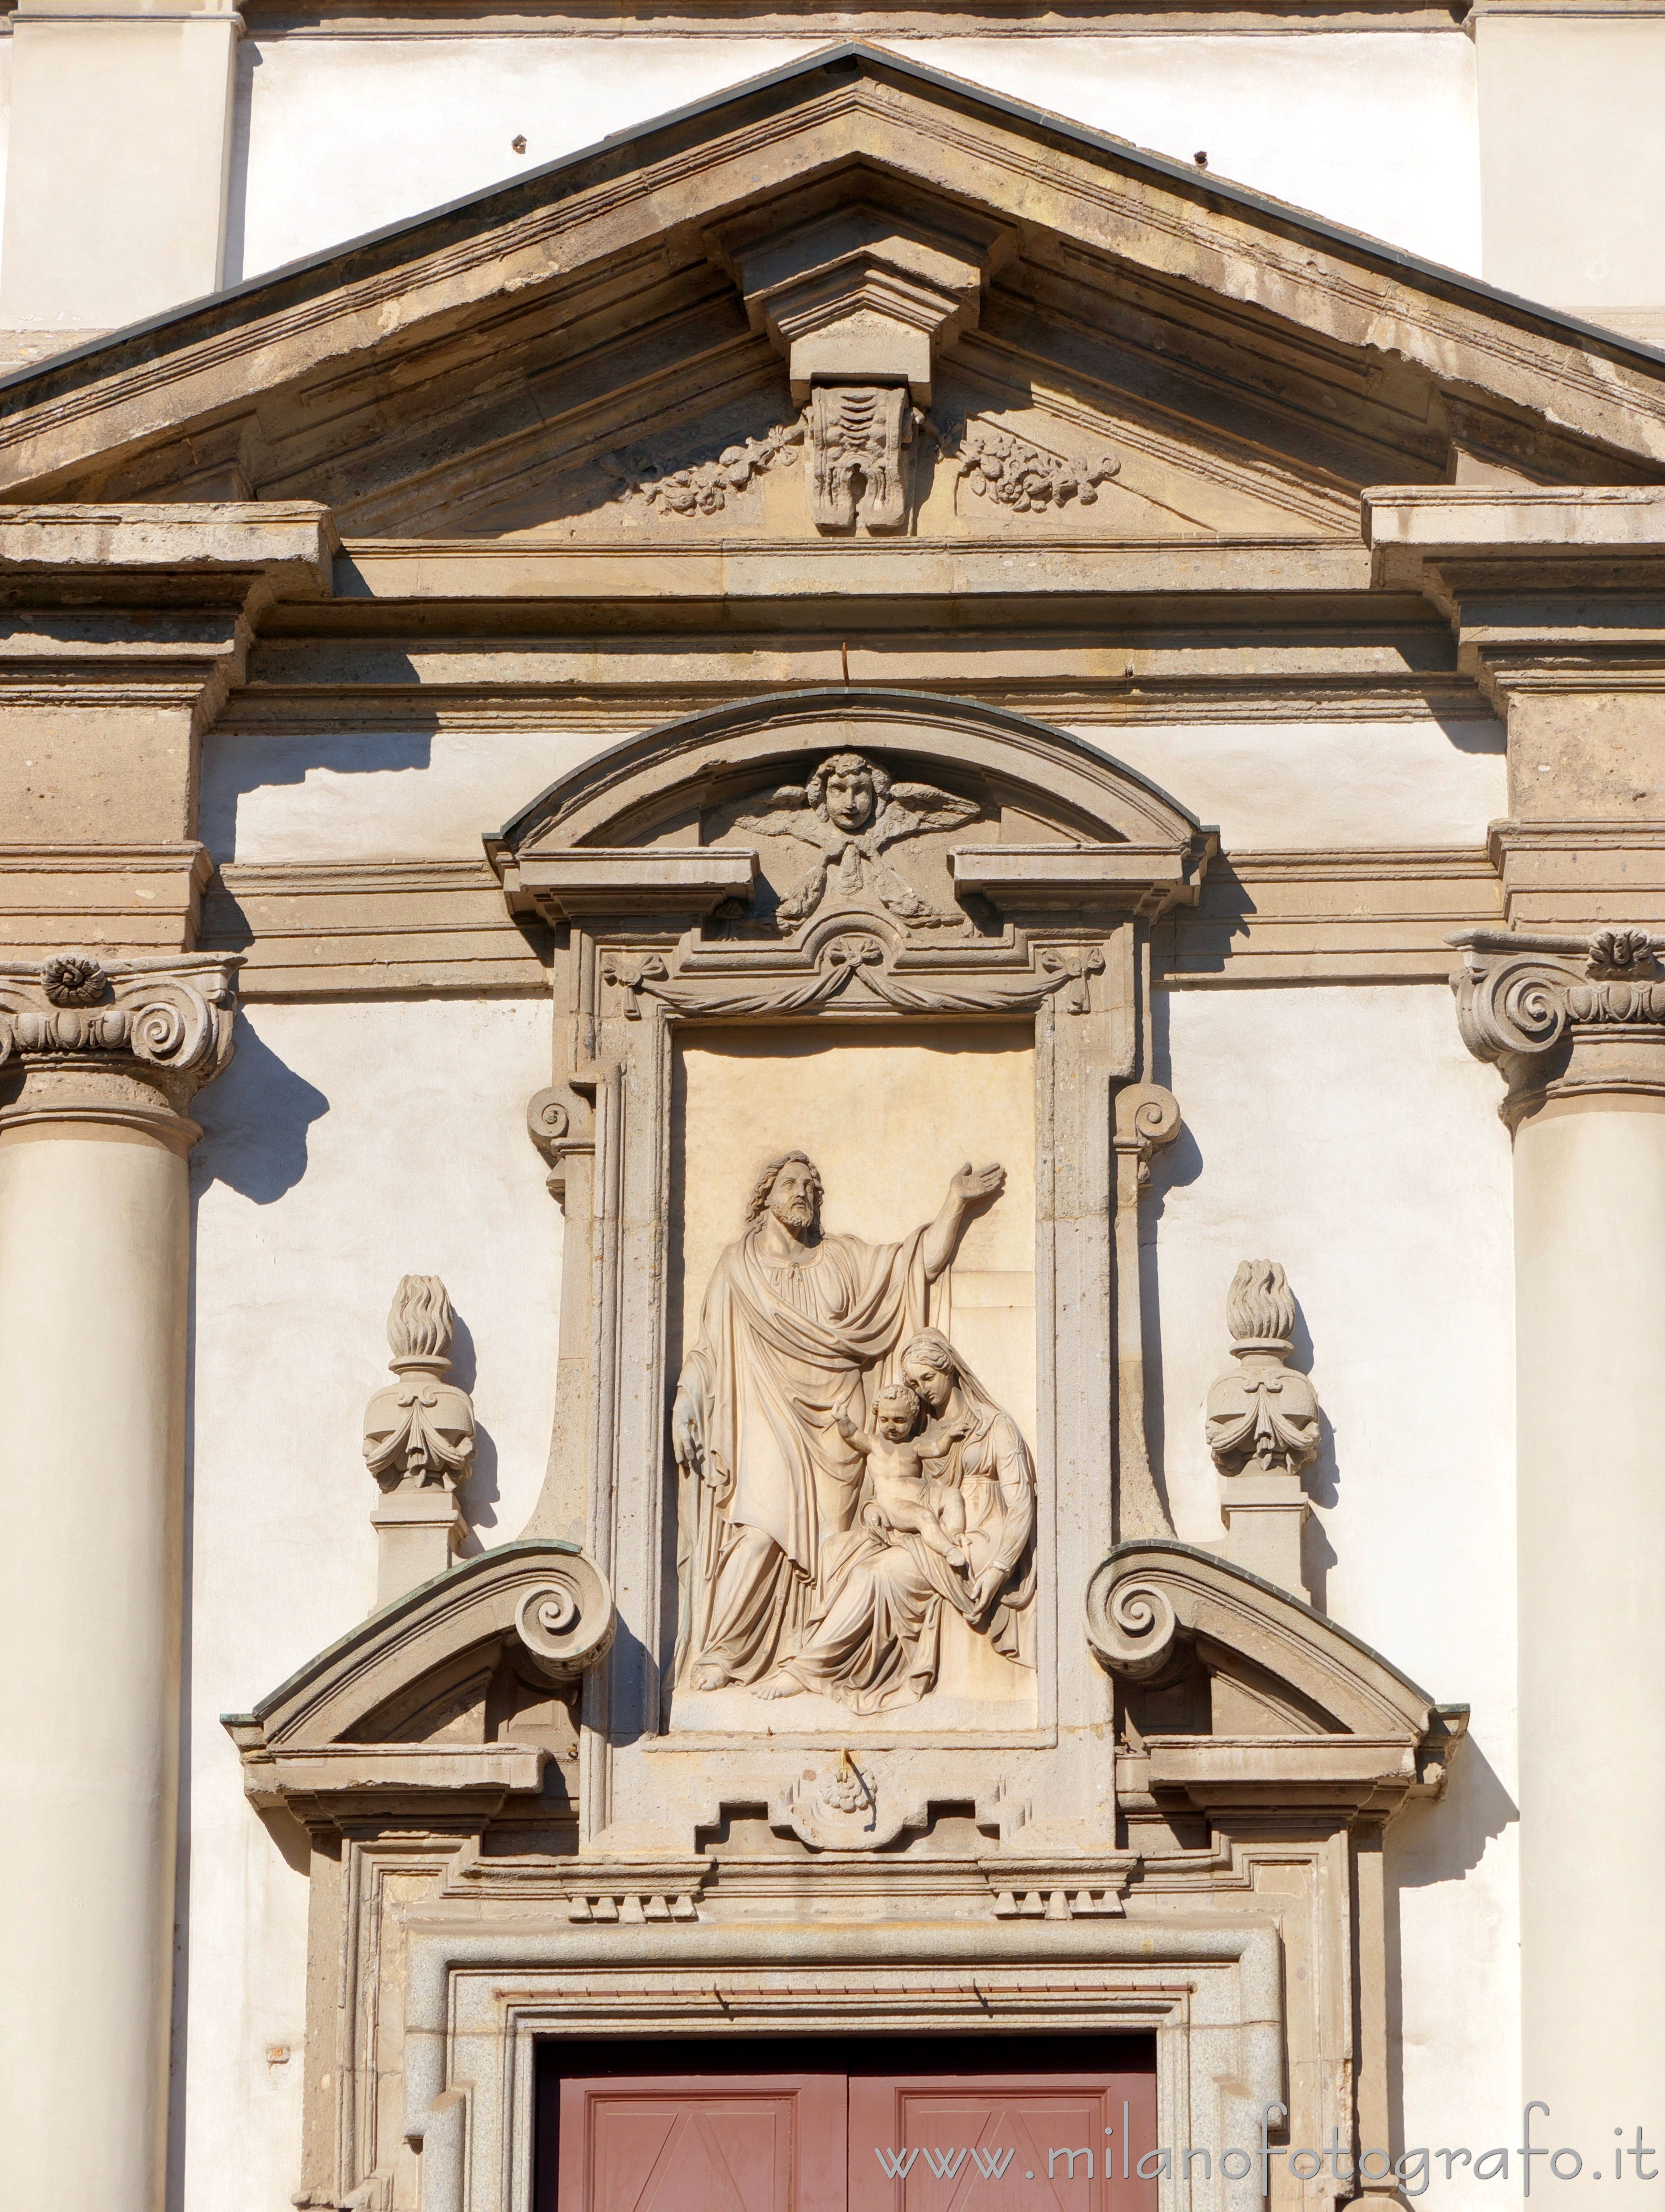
<point>325,379</point>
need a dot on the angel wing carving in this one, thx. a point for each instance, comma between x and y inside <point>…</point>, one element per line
<point>849,812</point>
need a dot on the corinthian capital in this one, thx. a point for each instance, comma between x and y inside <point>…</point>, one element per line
<point>128,1043</point>
<point>1564,1015</point>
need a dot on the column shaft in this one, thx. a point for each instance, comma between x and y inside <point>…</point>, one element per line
<point>1589,1195</point>
<point>93,1255</point>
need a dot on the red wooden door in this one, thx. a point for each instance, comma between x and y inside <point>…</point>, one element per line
<point>1002,2143</point>
<point>993,2123</point>
<point>756,2142</point>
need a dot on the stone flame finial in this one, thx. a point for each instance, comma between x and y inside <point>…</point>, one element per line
<point>418,1441</point>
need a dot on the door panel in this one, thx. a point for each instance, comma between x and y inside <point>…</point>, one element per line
<point>999,2143</point>
<point>759,2144</point>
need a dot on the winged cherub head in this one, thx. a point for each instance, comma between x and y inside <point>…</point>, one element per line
<point>847,790</point>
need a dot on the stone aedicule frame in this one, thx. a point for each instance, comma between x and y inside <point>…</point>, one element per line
<point>1187,1840</point>
<point>1073,858</point>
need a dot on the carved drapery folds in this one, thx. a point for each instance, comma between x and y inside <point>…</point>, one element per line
<point>418,1442</point>
<point>1262,1423</point>
<point>122,1042</point>
<point>1564,1015</point>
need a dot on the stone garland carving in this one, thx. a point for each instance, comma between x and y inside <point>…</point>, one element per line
<point>703,487</point>
<point>842,960</point>
<point>419,1431</point>
<point>844,1475</point>
<point>862,438</point>
<point>839,1810</point>
<point>128,1040</point>
<point>1558,1015</point>
<point>849,812</point>
<point>996,467</point>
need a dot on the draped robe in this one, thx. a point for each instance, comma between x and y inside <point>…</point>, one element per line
<point>783,1350</point>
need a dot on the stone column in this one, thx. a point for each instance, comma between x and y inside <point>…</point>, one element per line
<point>97,1067</point>
<point>1577,1026</point>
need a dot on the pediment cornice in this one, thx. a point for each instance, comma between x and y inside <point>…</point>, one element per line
<point>277,385</point>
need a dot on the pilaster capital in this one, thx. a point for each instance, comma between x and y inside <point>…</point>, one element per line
<point>1563,1017</point>
<point>125,1043</point>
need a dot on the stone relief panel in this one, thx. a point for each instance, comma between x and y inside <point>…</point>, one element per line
<point>854,1343</point>
<point>871,837</point>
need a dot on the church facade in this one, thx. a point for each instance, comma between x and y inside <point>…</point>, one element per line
<point>832,1127</point>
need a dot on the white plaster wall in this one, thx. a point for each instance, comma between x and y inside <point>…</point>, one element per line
<point>1277,786</point>
<point>1346,1132</point>
<point>346,1146</point>
<point>338,134</point>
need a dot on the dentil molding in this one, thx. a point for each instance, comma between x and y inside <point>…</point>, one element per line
<point>125,1043</point>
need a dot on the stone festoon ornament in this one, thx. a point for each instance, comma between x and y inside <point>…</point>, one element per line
<point>418,1441</point>
<point>1263,1428</point>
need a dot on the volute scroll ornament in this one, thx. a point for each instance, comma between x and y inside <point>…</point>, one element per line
<point>566,1623</point>
<point>1560,1015</point>
<point>123,1041</point>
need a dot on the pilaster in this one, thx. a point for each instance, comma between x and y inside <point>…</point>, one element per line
<point>122,630</point>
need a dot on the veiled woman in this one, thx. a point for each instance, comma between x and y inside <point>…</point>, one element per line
<point>873,1636</point>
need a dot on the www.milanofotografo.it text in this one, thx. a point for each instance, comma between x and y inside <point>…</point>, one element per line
<point>1414,2170</point>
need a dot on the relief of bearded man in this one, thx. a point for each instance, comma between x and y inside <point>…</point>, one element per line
<point>793,1318</point>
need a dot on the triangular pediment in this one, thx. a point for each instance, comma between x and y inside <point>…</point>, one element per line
<point>1084,342</point>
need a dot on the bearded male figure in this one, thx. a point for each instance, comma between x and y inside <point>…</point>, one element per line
<point>792,1320</point>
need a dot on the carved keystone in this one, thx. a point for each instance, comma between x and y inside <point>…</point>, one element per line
<point>861,293</point>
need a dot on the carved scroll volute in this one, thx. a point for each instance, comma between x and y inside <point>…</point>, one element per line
<point>130,1040</point>
<point>566,1621</point>
<point>1131,1625</point>
<point>1558,1015</point>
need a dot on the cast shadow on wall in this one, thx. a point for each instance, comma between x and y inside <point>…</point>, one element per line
<point>1439,1841</point>
<point>482,1493</point>
<point>255,1120</point>
<point>235,766</point>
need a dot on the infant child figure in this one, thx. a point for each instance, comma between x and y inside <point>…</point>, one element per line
<point>903,1496</point>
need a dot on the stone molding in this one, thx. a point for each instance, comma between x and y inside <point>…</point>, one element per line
<point>482,287</point>
<point>1339,1722</point>
<point>310,1743</point>
<point>128,1044</point>
<point>1564,1018</point>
